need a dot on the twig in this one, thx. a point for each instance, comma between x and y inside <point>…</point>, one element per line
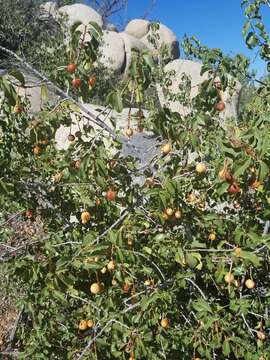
<point>99,334</point>
<point>13,332</point>
<point>197,287</point>
<point>11,218</point>
<point>248,327</point>
<point>266,228</point>
<point>151,262</point>
<point>95,119</point>
<point>96,241</point>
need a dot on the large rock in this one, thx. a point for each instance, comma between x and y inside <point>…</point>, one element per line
<point>166,37</point>
<point>193,69</point>
<point>138,28</point>
<point>49,7</point>
<point>113,51</point>
<point>82,13</point>
<point>130,42</point>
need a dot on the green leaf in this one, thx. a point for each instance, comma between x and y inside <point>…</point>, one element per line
<point>115,100</point>
<point>202,306</point>
<point>263,171</point>
<point>18,75</point>
<point>75,26</point>
<point>242,167</point>
<point>149,61</point>
<point>44,93</point>
<point>251,257</point>
<point>226,347</point>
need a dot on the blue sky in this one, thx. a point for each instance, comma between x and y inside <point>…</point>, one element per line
<point>216,23</point>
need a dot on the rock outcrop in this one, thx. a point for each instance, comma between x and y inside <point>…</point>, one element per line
<point>192,69</point>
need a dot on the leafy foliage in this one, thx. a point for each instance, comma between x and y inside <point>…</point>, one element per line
<point>174,266</point>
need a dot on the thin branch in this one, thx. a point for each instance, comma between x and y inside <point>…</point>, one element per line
<point>11,218</point>
<point>197,287</point>
<point>266,228</point>
<point>13,332</point>
<point>95,119</point>
<point>246,323</point>
<point>149,260</point>
<point>99,334</point>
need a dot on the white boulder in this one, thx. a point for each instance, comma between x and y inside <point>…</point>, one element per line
<point>138,28</point>
<point>130,42</point>
<point>166,37</point>
<point>49,7</point>
<point>192,69</point>
<point>80,12</point>
<point>113,51</point>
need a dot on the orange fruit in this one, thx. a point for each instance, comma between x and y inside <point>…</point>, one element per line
<point>71,68</point>
<point>111,265</point>
<point>201,168</point>
<point>164,323</point>
<point>220,106</point>
<point>85,217</point>
<point>37,150</point>
<point>129,132</point>
<point>110,195</point>
<point>76,83</point>
<point>178,214</point>
<point>261,335</point>
<point>229,278</point>
<point>83,325</point>
<point>166,148</point>
<point>96,288</point>
<point>212,237</point>
<point>90,323</point>
<point>250,284</point>
<point>92,81</point>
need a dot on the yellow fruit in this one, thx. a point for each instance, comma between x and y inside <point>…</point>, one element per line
<point>96,288</point>
<point>250,284</point>
<point>130,241</point>
<point>212,237</point>
<point>169,211</point>
<point>17,109</point>
<point>103,270</point>
<point>37,150</point>
<point>229,278</point>
<point>129,132</point>
<point>111,265</point>
<point>166,148</point>
<point>261,335</point>
<point>201,168</point>
<point>85,217</point>
<point>150,181</point>
<point>71,137</point>
<point>147,282</point>
<point>126,288</point>
<point>114,282</point>
<point>178,214</point>
<point>164,323</point>
<point>191,198</point>
<point>90,323</point>
<point>238,251</point>
<point>165,216</point>
<point>29,214</point>
<point>83,325</point>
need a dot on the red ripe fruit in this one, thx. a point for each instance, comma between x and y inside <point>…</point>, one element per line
<point>92,81</point>
<point>220,106</point>
<point>229,178</point>
<point>234,188</point>
<point>110,195</point>
<point>71,68</point>
<point>76,83</point>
